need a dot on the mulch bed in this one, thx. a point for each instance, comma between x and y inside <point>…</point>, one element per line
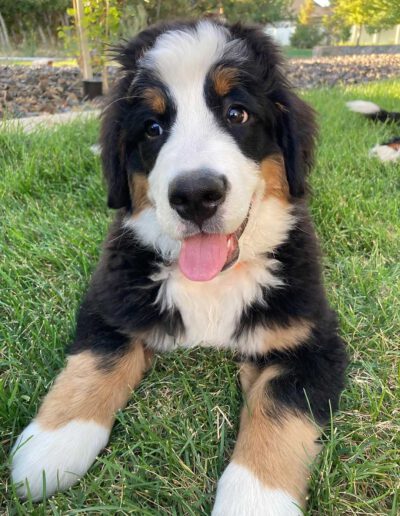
<point>31,91</point>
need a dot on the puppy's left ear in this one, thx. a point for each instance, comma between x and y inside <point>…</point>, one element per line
<point>297,131</point>
<point>295,122</point>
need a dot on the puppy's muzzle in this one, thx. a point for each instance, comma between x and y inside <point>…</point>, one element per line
<point>196,195</point>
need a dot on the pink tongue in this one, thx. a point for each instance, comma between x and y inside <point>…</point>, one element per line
<point>203,256</point>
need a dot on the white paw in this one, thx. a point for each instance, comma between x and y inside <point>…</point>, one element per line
<point>240,493</point>
<point>55,458</point>
<point>363,106</point>
<point>385,153</point>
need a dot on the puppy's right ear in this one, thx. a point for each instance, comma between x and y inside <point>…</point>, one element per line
<point>112,139</point>
<point>113,155</point>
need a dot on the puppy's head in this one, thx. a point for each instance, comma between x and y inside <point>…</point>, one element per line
<point>201,125</point>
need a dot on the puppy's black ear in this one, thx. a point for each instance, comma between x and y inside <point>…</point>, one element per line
<point>112,138</point>
<point>296,132</point>
<point>295,123</point>
<point>113,156</point>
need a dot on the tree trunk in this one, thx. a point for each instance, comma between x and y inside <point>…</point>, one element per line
<point>104,79</point>
<point>397,37</point>
<point>42,35</point>
<point>4,39</point>
<point>83,43</point>
<point>359,29</point>
<point>158,10</point>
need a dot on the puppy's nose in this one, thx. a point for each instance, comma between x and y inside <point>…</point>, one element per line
<point>196,195</point>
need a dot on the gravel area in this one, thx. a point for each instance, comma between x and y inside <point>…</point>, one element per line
<point>329,71</point>
<point>37,90</point>
<point>31,91</point>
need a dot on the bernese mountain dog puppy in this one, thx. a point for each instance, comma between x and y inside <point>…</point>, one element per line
<point>206,151</point>
<point>388,151</point>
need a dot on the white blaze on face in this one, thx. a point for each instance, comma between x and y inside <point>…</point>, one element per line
<point>182,60</point>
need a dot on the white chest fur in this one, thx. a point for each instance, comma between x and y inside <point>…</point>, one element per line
<point>211,310</point>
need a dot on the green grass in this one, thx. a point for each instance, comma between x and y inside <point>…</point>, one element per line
<point>299,53</point>
<point>57,62</point>
<point>172,442</point>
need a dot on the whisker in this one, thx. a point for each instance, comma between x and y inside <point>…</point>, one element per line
<point>120,98</point>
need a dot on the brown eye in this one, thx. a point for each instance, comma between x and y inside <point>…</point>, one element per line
<point>153,129</point>
<point>237,115</point>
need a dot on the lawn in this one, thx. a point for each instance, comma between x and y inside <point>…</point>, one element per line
<point>170,445</point>
<point>297,53</point>
<point>6,61</point>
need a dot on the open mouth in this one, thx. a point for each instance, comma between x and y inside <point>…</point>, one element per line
<point>205,255</point>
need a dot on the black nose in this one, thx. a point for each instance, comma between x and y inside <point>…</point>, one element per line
<point>197,195</point>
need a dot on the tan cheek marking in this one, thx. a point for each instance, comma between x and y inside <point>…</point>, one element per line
<point>155,100</point>
<point>280,337</point>
<point>139,187</point>
<point>278,452</point>
<point>274,175</point>
<point>224,78</point>
<point>85,391</point>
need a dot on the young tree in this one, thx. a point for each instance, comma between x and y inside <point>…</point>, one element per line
<point>375,15</point>
<point>32,17</point>
<point>260,11</point>
<point>306,12</point>
<point>384,14</point>
<point>335,29</point>
<point>307,33</point>
<point>94,25</point>
<point>353,12</point>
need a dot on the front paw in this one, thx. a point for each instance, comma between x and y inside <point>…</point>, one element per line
<point>45,461</point>
<point>240,493</point>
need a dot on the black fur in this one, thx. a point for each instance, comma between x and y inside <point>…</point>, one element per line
<point>312,377</point>
<point>303,295</point>
<point>121,298</point>
<point>384,116</point>
<point>393,142</point>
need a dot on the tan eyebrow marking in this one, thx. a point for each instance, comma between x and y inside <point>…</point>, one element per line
<point>155,99</point>
<point>224,78</point>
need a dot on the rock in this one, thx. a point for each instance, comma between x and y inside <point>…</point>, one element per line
<point>353,69</point>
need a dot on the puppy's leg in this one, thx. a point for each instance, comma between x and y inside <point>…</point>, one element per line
<point>270,465</point>
<point>74,422</point>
